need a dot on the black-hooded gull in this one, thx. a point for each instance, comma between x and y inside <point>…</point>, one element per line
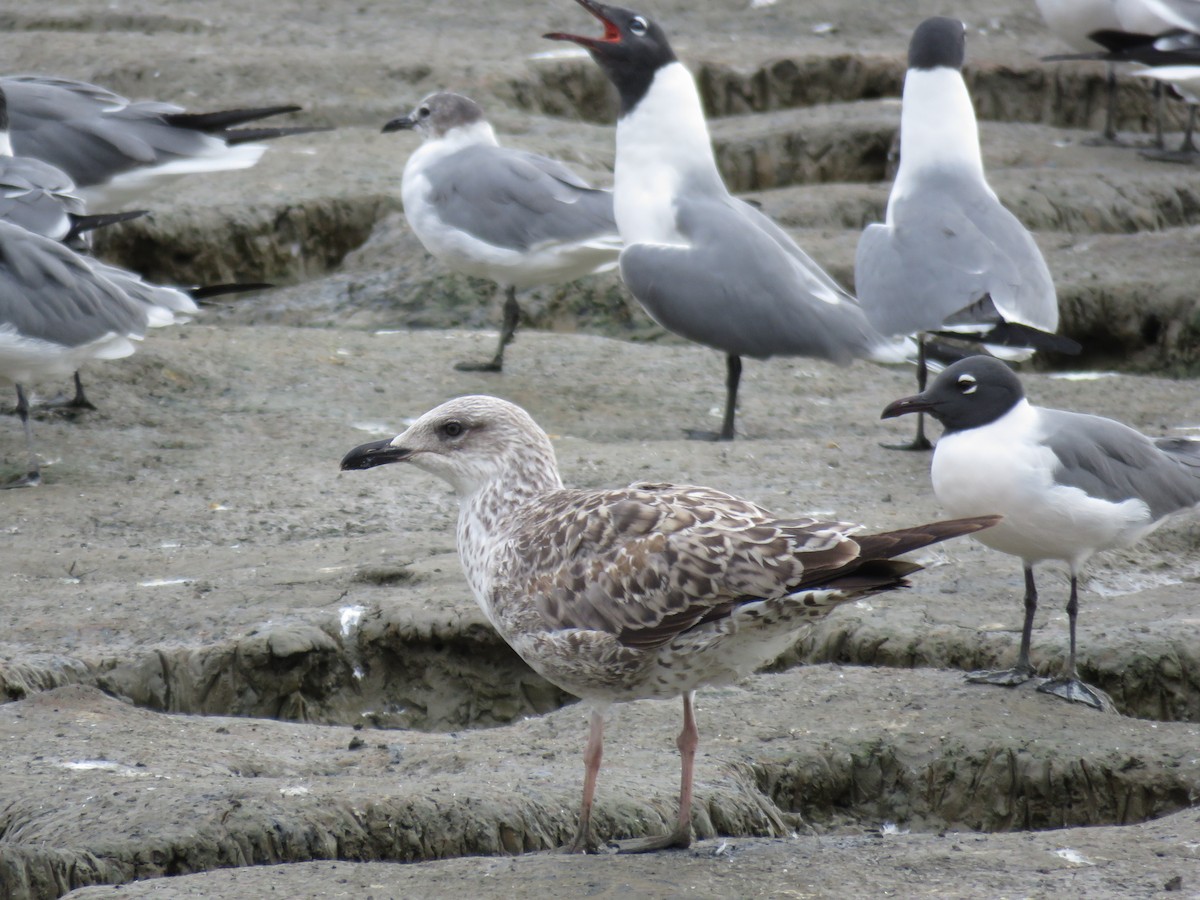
<point>650,591</point>
<point>950,258</point>
<point>1068,485</point>
<point>705,265</point>
<point>514,217</point>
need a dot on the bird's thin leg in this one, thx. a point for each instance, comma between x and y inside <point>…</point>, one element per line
<point>1110,111</point>
<point>508,328</point>
<point>1188,147</point>
<point>1071,688</point>
<point>681,836</point>
<point>591,769</point>
<point>1159,111</point>
<point>1187,151</point>
<point>80,400</point>
<point>733,377</point>
<point>920,441</point>
<point>33,475</point>
<point>1023,670</point>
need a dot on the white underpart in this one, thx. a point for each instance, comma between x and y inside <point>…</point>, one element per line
<point>5,144</point>
<point>1073,20</point>
<point>1003,467</point>
<point>128,187</point>
<point>1185,78</point>
<point>25,359</point>
<point>547,263</point>
<point>937,130</point>
<point>1140,17</point>
<point>662,140</point>
<point>1180,14</point>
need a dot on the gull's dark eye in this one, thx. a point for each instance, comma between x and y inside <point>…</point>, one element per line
<point>423,112</point>
<point>966,384</point>
<point>638,25</point>
<point>453,429</point>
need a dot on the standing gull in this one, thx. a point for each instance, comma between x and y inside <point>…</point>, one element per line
<point>516,218</point>
<point>115,149</point>
<point>59,310</point>
<point>1068,485</point>
<point>705,265</point>
<point>645,592</point>
<point>950,257</point>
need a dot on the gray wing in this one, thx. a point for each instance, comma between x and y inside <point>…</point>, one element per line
<point>90,133</point>
<point>744,288</point>
<point>1114,462</point>
<point>50,293</point>
<point>518,200</point>
<point>37,196</point>
<point>951,245</point>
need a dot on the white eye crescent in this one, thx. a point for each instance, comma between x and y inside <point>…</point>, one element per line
<point>966,383</point>
<point>638,25</point>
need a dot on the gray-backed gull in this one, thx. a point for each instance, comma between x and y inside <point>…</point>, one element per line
<point>1067,484</point>
<point>516,218</point>
<point>649,591</point>
<point>949,256</point>
<point>704,264</point>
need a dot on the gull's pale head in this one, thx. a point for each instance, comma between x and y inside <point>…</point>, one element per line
<point>469,441</point>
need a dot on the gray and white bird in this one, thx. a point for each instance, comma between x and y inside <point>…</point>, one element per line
<point>950,258</point>
<point>514,217</point>
<point>705,265</point>
<point>650,591</point>
<point>1068,485</point>
<point>116,150</point>
<point>60,310</point>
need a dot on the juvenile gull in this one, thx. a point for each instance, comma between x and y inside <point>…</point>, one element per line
<point>650,591</point>
<point>59,310</point>
<point>705,265</point>
<point>950,257</point>
<point>514,217</point>
<point>1068,485</point>
<point>115,149</point>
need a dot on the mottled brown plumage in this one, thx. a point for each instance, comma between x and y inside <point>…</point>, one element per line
<point>647,591</point>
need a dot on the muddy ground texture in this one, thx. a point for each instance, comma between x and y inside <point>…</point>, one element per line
<point>227,662</point>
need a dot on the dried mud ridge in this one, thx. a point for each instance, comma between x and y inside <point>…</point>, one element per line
<point>408,766</point>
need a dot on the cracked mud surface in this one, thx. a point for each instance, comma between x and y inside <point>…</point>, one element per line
<point>200,609</point>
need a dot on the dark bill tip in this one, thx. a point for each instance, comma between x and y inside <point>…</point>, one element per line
<point>404,123</point>
<point>612,33</point>
<point>906,405</point>
<point>376,453</point>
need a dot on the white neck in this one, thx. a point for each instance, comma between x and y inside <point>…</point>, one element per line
<point>5,144</point>
<point>661,143</point>
<point>937,126</point>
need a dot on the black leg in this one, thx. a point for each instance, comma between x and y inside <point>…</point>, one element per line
<point>33,475</point>
<point>1071,688</point>
<point>80,400</point>
<point>733,377</point>
<point>508,328</point>
<point>1110,109</point>
<point>920,441</point>
<point>1023,670</point>
<point>1187,152</point>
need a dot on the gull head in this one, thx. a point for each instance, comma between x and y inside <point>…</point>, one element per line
<point>470,442</point>
<point>437,115</point>
<point>971,393</point>
<point>632,48</point>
